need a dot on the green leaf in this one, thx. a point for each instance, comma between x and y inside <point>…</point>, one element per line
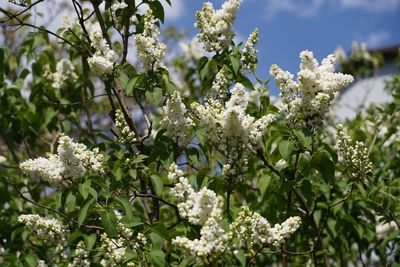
<point>83,212</point>
<point>109,222</point>
<point>203,67</point>
<point>84,189</point>
<point>304,139</point>
<point>160,229</point>
<point>31,260</point>
<point>263,183</point>
<point>157,183</point>
<point>201,174</point>
<point>155,96</point>
<point>235,62</point>
<point>158,10</point>
<point>286,148</point>
<point>157,257</point>
<point>156,240</point>
<point>117,170</point>
<point>323,163</point>
<point>70,202</point>
<point>246,82</point>
<point>90,240</point>
<point>126,206</point>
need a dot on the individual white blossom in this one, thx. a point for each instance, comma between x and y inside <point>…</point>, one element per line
<point>65,72</point>
<point>41,263</point>
<point>126,135</point>
<point>72,161</point>
<point>49,229</point>
<point>235,133</point>
<point>2,159</point>
<point>249,53</point>
<point>355,155</point>
<point>306,102</point>
<point>148,48</point>
<point>103,60</point>
<point>176,119</point>
<point>215,26</point>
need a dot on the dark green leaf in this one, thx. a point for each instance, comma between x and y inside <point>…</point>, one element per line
<point>109,222</point>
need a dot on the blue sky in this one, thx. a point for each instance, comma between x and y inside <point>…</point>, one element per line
<point>289,26</point>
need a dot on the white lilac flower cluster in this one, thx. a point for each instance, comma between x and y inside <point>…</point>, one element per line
<point>65,72</point>
<point>50,230</point>
<point>126,135</point>
<point>235,134</point>
<point>355,155</point>
<point>305,102</point>
<point>148,48</point>
<point>249,52</point>
<point>114,8</point>
<point>192,50</point>
<point>72,161</point>
<point>215,26</point>
<point>220,84</point>
<point>115,249</point>
<point>250,228</point>
<point>204,208</point>
<point>176,119</point>
<point>81,258</point>
<point>103,60</point>
<point>201,208</point>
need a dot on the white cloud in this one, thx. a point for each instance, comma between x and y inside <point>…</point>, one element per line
<point>300,8</point>
<point>375,6</point>
<point>174,12</point>
<point>376,39</point>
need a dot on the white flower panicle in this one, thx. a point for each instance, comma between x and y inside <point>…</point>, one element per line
<point>174,173</point>
<point>249,53</point>
<point>176,119</point>
<point>205,208</point>
<point>305,102</point>
<point>220,84</point>
<point>102,62</point>
<point>81,258</point>
<point>50,230</point>
<point>115,249</point>
<point>235,133</point>
<point>355,155</point>
<point>340,55</point>
<point>251,228</point>
<point>72,161</point>
<point>215,26</point>
<point>192,50</point>
<point>115,7</point>
<point>148,48</point>
<point>200,208</point>
<point>126,135</point>
<point>65,72</point>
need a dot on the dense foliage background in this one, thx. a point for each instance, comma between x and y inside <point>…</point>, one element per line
<point>147,123</point>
